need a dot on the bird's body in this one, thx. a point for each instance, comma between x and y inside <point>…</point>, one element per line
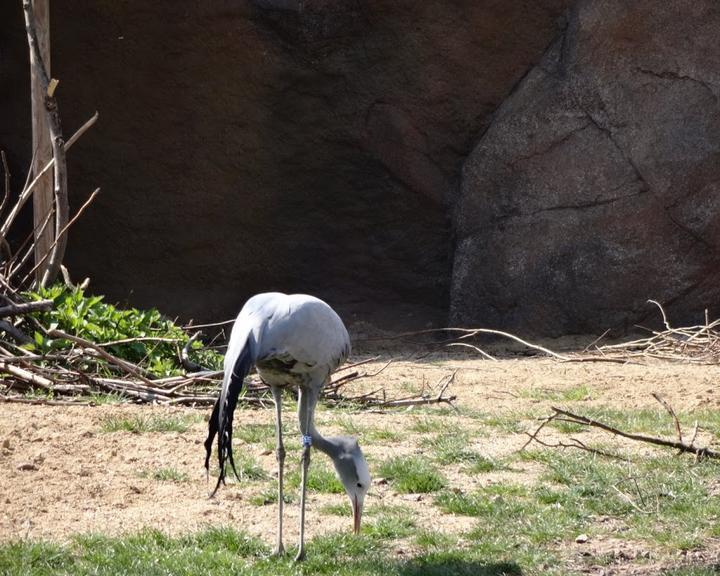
<point>292,340</point>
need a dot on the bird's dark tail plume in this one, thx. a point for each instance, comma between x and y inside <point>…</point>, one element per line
<point>221,419</point>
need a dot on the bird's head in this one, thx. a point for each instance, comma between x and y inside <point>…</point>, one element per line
<point>353,471</point>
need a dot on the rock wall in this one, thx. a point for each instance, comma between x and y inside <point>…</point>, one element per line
<point>543,166</point>
<point>596,187</point>
<point>302,146</point>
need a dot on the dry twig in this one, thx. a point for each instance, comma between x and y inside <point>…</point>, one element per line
<point>700,452</point>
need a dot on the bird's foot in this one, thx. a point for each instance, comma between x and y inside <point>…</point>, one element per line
<point>279,550</point>
<point>300,556</point>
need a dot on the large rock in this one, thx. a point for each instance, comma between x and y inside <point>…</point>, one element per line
<point>597,186</point>
<point>300,145</point>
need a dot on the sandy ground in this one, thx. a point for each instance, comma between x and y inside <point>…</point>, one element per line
<point>61,474</point>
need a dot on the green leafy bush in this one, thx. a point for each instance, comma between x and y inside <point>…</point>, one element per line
<point>143,337</point>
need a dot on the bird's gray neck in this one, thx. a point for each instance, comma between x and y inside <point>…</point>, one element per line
<point>325,445</point>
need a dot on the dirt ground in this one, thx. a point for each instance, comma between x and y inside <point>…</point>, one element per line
<point>61,474</point>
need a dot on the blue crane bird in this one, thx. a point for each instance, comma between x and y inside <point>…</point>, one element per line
<point>292,340</point>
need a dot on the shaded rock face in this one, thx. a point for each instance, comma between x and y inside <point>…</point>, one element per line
<point>295,145</point>
<point>597,185</point>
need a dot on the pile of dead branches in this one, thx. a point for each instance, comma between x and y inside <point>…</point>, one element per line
<point>81,370</point>
<point>698,344</point>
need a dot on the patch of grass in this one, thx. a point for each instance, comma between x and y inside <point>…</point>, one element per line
<point>349,425</point>
<point>270,496</point>
<point>389,521</point>
<point>255,433</point>
<point>412,474</point>
<point>35,558</point>
<point>321,478</point>
<point>249,469</point>
<point>433,540</point>
<point>656,422</point>
<point>104,398</point>
<point>336,509</point>
<point>391,526</point>
<point>149,423</point>
<point>451,448</point>
<point>381,435</point>
<point>167,475</point>
<point>225,551</point>
<point>506,422</point>
<point>572,394</point>
<point>567,427</point>
<point>461,503</point>
<point>693,571</point>
<point>482,502</point>
<point>481,464</point>
<point>427,424</point>
<point>664,499</point>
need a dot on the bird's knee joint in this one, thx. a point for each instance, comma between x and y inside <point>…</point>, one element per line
<point>280,454</point>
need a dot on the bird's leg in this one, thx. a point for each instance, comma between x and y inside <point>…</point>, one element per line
<point>305,462</point>
<point>306,412</point>
<point>280,454</point>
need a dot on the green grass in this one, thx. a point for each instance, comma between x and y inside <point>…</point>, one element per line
<point>269,495</point>
<point>573,394</point>
<point>249,468</point>
<point>412,475</point>
<point>321,478</point>
<point>506,422</point>
<point>349,425</point>
<point>167,475</point>
<point>226,551</point>
<point>664,499</point>
<point>481,464</point>
<point>337,509</point>
<point>374,435</point>
<point>451,448</point>
<point>428,424</point>
<point>149,423</point>
<point>433,540</point>
<point>390,526</point>
<point>660,502</point>
<point>255,433</point>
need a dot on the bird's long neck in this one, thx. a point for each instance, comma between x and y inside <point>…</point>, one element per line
<point>323,444</point>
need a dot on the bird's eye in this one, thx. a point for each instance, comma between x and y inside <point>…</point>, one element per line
<point>359,484</point>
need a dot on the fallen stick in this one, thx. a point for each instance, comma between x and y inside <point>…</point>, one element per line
<point>37,380</point>
<point>14,332</point>
<point>128,367</point>
<point>26,307</point>
<point>700,452</point>
<point>47,401</point>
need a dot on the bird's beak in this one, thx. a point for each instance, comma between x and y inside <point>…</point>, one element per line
<point>357,514</point>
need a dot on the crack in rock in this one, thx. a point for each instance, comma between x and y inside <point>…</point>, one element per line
<point>673,76</point>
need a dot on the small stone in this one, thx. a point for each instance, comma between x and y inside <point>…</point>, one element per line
<point>381,481</point>
<point>413,497</point>
<point>27,466</point>
<point>6,443</point>
<point>581,538</point>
